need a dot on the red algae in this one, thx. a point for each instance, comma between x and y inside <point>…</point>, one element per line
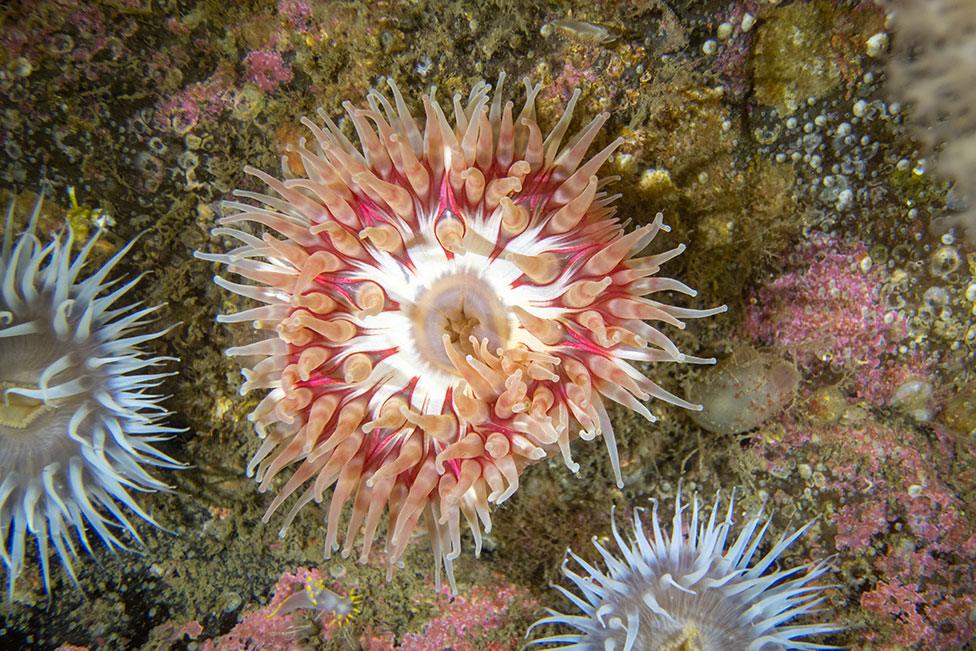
<point>893,493</point>
<point>470,622</point>
<point>267,70</point>
<point>203,100</point>
<point>269,628</point>
<point>827,310</point>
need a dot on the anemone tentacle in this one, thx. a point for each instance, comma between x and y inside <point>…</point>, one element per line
<point>446,304</point>
<point>697,586</point>
<point>78,422</point>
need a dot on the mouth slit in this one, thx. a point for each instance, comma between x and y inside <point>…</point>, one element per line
<point>461,306</point>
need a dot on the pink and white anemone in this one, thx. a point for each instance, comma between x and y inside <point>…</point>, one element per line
<point>695,587</point>
<point>446,303</point>
<point>78,426</point>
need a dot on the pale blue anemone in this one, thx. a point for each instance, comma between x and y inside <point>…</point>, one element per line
<point>78,423</point>
<point>688,589</point>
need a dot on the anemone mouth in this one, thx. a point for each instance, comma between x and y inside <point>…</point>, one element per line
<point>18,412</point>
<point>37,380</point>
<point>688,638</point>
<point>457,310</point>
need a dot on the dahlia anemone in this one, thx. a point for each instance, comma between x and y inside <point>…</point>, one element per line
<point>688,591</point>
<point>448,304</point>
<point>76,422</point>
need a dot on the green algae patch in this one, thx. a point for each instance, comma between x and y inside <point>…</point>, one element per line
<point>960,412</point>
<point>722,199</point>
<point>793,58</point>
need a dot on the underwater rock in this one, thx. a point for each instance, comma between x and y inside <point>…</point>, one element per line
<point>792,59</point>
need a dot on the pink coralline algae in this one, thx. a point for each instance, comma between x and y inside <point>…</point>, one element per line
<point>920,615</point>
<point>900,510</point>
<point>569,78</point>
<point>857,524</point>
<point>826,310</point>
<point>203,100</point>
<point>298,13</point>
<point>170,633</point>
<point>267,70</point>
<point>208,99</point>
<point>273,628</point>
<point>474,621</point>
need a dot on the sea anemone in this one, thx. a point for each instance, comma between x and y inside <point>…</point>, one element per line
<point>686,590</point>
<point>447,305</point>
<point>76,422</point>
